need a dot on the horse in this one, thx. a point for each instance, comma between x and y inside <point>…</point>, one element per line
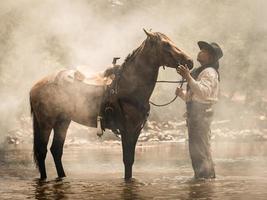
<point>54,105</point>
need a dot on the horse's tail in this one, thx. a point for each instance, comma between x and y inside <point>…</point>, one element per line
<point>36,130</point>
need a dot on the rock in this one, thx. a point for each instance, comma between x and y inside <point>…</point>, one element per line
<point>12,140</point>
<point>153,140</point>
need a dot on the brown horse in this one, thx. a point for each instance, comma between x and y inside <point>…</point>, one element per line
<point>55,105</point>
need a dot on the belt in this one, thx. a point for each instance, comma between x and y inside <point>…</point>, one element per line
<point>195,108</point>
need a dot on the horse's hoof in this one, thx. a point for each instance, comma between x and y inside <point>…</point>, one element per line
<point>39,180</point>
<point>128,179</point>
<point>62,175</point>
<point>43,177</point>
<point>58,179</point>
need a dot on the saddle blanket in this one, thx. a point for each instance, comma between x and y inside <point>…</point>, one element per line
<point>64,76</point>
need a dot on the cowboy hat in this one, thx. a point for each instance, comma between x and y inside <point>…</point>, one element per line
<point>213,47</point>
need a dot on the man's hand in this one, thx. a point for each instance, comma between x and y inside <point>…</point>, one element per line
<point>179,92</point>
<point>184,72</point>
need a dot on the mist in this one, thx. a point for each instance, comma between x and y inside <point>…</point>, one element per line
<point>40,37</point>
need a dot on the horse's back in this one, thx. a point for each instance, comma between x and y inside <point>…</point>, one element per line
<point>66,93</point>
<point>44,82</point>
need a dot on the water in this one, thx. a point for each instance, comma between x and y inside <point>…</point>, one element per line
<point>161,171</point>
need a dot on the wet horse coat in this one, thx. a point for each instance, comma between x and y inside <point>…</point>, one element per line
<point>54,106</point>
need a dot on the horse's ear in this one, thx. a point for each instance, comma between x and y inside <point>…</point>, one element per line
<point>148,33</point>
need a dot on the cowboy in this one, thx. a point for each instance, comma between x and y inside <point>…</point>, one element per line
<point>200,96</point>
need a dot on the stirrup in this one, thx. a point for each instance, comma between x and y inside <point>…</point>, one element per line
<point>99,131</point>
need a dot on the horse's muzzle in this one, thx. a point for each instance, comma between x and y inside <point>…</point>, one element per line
<point>190,64</point>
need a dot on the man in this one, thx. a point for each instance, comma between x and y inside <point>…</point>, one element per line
<point>202,92</point>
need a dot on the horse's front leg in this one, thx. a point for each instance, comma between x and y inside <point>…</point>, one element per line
<point>132,122</point>
<point>129,140</point>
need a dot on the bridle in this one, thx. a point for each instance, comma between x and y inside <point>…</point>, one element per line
<point>182,81</point>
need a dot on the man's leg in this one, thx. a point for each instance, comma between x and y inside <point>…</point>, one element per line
<point>199,147</point>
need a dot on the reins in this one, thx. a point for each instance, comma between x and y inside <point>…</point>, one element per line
<point>168,103</point>
<point>181,81</point>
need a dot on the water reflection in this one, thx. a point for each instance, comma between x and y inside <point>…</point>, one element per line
<point>201,189</point>
<point>55,189</point>
<point>162,172</point>
<point>131,190</point>
<point>81,189</point>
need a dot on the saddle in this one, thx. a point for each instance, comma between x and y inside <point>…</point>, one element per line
<point>110,109</point>
<point>111,114</point>
<point>70,76</point>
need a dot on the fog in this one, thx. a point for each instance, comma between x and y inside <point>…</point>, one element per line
<point>40,37</point>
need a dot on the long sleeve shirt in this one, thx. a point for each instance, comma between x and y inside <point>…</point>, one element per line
<point>205,89</point>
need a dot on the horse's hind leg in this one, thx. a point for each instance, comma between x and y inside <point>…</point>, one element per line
<point>60,130</point>
<point>40,149</point>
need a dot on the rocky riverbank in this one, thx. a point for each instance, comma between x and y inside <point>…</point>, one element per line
<point>253,129</point>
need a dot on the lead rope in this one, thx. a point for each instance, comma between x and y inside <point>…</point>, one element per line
<point>168,103</point>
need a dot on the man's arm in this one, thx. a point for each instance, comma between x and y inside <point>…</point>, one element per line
<point>204,86</point>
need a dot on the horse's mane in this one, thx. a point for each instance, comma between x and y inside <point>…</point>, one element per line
<point>136,51</point>
<point>132,55</point>
<point>127,60</point>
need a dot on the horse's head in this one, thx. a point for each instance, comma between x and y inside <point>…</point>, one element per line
<point>165,51</point>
